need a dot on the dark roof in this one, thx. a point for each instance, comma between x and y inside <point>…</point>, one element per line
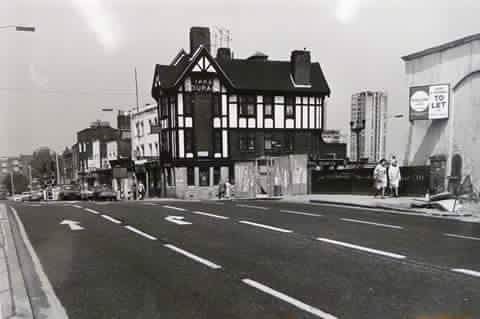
<point>245,74</point>
<point>442,47</point>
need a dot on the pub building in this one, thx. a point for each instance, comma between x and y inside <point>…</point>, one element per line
<point>255,122</point>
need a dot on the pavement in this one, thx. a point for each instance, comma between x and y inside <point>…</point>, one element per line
<point>248,259</point>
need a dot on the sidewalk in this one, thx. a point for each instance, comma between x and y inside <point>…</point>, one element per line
<point>14,301</point>
<point>399,205</point>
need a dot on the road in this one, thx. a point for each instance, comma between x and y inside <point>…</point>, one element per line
<point>253,259</point>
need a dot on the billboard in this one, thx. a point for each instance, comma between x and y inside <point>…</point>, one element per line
<point>429,102</point>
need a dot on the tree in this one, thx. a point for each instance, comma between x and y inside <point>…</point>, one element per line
<point>43,164</point>
<point>20,182</point>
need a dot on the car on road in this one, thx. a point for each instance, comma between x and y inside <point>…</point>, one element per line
<point>86,194</point>
<point>104,192</point>
<point>36,195</point>
<point>25,196</point>
<point>69,192</point>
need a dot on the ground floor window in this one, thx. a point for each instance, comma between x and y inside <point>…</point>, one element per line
<point>216,175</point>
<point>204,176</point>
<point>190,176</point>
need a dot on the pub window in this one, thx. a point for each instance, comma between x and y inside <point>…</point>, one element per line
<point>190,176</point>
<point>289,109</point>
<point>247,143</point>
<point>216,175</point>
<point>217,138</point>
<point>204,176</point>
<point>188,102</point>
<point>217,106</point>
<point>248,106</point>
<point>268,142</point>
<point>188,141</point>
<point>268,106</point>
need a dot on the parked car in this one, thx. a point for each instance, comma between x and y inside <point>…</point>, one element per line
<point>25,196</point>
<point>104,192</point>
<point>36,195</point>
<point>69,192</point>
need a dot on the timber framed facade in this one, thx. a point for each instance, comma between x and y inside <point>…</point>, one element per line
<point>217,112</point>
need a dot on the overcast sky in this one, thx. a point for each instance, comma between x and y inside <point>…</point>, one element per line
<point>55,81</point>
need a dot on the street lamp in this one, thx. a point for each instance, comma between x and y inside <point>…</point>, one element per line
<point>357,127</point>
<point>19,28</point>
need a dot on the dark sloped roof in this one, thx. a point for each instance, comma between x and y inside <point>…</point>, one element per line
<point>442,47</point>
<point>245,74</point>
<point>271,76</point>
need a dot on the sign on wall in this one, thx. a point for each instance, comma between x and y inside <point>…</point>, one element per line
<point>429,102</point>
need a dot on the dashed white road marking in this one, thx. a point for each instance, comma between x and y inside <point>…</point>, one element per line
<point>149,204</point>
<point>210,215</point>
<point>254,207</point>
<point>192,256</point>
<point>77,206</point>
<point>370,223</point>
<point>141,233</point>
<point>299,213</point>
<point>175,208</point>
<point>467,272</point>
<point>113,220</point>
<point>92,211</point>
<point>461,236</point>
<point>295,302</point>
<point>282,230</point>
<point>362,248</point>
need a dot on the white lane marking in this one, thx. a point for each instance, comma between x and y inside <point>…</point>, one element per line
<point>217,203</point>
<point>92,211</point>
<point>175,208</point>
<point>362,248</point>
<point>210,215</point>
<point>295,302</point>
<point>370,210</point>
<point>282,230</point>
<point>370,223</point>
<point>192,256</point>
<point>149,204</point>
<point>299,213</point>
<point>56,309</point>
<point>72,224</point>
<point>177,220</point>
<point>461,236</point>
<point>467,272</point>
<point>77,206</point>
<point>251,206</point>
<point>113,220</point>
<point>141,233</point>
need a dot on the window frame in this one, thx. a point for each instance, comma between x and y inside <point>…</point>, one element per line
<point>202,170</point>
<point>190,176</point>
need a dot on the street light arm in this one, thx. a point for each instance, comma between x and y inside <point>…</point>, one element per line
<point>18,28</point>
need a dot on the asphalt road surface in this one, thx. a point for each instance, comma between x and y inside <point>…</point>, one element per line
<point>253,259</point>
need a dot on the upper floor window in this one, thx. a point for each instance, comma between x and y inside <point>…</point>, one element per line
<point>188,141</point>
<point>289,107</point>
<point>188,104</point>
<point>217,141</point>
<point>268,106</point>
<point>217,104</point>
<point>248,106</point>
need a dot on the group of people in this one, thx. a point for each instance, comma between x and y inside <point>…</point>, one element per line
<point>138,190</point>
<point>387,176</point>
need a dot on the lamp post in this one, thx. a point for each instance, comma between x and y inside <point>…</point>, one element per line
<point>19,28</point>
<point>357,127</point>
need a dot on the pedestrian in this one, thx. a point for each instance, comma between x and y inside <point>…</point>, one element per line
<point>228,189</point>
<point>134,191</point>
<point>380,178</point>
<point>395,177</point>
<point>141,191</point>
<point>221,190</point>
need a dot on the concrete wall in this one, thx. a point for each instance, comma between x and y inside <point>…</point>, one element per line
<point>457,66</point>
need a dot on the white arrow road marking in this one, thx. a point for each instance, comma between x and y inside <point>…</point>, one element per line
<point>362,248</point>
<point>177,220</point>
<point>210,215</point>
<point>72,224</point>
<point>175,208</point>
<point>113,220</point>
<point>76,206</point>
<point>282,230</point>
<point>295,302</point>
<point>467,272</point>
<point>299,213</point>
<point>370,223</point>
<point>141,233</point>
<point>92,211</point>
<point>461,236</point>
<point>254,207</point>
<point>192,256</point>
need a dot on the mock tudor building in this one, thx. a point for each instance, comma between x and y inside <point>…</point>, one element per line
<point>254,121</point>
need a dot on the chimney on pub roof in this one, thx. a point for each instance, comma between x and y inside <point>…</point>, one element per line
<point>301,67</point>
<point>224,54</point>
<point>199,36</point>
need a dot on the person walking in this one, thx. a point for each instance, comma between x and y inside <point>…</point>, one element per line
<point>394,177</point>
<point>380,178</point>
<point>134,191</point>
<point>228,189</point>
<point>221,190</point>
<point>141,191</point>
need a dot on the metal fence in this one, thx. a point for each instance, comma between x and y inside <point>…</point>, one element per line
<point>415,181</point>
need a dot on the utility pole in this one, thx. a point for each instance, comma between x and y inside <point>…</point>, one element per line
<point>11,182</point>
<point>136,89</point>
<point>58,168</point>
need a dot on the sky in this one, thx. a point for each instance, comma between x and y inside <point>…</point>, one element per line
<point>82,57</point>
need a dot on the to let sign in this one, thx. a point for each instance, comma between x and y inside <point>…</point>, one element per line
<point>429,102</point>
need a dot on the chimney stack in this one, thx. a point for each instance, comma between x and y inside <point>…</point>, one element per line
<point>301,67</point>
<point>224,54</point>
<point>199,36</point>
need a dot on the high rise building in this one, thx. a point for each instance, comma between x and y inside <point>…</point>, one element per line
<point>368,126</point>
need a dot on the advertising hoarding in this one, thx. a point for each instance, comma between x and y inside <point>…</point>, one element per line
<point>429,102</point>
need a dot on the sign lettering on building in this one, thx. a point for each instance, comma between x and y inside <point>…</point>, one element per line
<point>202,85</point>
<point>429,102</point>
